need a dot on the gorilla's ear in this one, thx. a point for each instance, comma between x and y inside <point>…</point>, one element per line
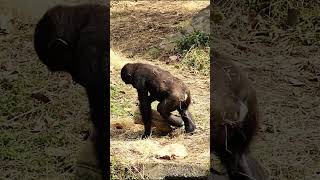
<point>60,55</point>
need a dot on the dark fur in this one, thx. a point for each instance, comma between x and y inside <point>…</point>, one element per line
<point>231,93</point>
<point>162,86</point>
<point>74,39</point>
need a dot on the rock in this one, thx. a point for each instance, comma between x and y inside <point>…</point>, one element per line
<point>173,58</point>
<point>201,21</point>
<point>172,151</point>
<point>169,43</point>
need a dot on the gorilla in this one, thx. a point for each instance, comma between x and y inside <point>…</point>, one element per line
<point>234,119</point>
<point>74,39</point>
<point>153,83</point>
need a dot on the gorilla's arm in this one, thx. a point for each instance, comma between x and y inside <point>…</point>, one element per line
<point>145,110</point>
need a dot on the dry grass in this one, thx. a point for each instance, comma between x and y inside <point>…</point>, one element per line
<point>271,36</point>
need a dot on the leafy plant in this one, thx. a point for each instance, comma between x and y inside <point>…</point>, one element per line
<point>195,39</point>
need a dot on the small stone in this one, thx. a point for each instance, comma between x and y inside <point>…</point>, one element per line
<point>173,58</point>
<point>172,151</point>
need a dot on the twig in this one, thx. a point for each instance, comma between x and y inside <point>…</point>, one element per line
<point>25,113</point>
<point>129,167</point>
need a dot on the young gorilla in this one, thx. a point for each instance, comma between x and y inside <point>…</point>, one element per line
<point>153,83</point>
<point>234,113</point>
<point>74,39</point>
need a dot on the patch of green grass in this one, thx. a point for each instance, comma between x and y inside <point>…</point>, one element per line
<point>118,94</point>
<point>195,39</point>
<point>154,53</point>
<point>195,52</point>
<point>197,60</point>
<point>46,139</point>
<point>16,97</point>
<point>9,150</point>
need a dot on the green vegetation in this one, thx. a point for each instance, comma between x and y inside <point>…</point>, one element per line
<point>117,94</point>
<point>195,51</point>
<point>195,39</point>
<point>198,60</point>
<point>154,53</point>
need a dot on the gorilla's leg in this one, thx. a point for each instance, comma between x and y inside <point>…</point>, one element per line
<point>145,110</point>
<point>165,108</point>
<point>188,120</point>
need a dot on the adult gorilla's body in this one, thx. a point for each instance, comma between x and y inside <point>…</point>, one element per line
<point>74,39</point>
<point>235,115</point>
<point>153,83</point>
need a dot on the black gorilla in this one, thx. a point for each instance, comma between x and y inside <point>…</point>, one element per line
<point>234,119</point>
<point>74,39</point>
<point>153,83</point>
